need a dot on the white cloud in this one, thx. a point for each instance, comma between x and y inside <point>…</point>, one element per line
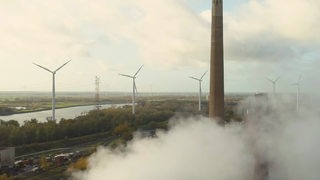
<point>296,20</point>
<point>271,30</point>
<point>271,38</point>
<point>164,35</point>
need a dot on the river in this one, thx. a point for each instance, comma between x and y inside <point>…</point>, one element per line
<point>67,113</point>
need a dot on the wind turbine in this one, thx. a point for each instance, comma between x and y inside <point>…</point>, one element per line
<point>200,80</point>
<point>274,84</point>
<point>297,84</point>
<point>134,89</point>
<point>53,86</point>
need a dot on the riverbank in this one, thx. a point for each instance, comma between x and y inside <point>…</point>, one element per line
<point>42,109</point>
<point>61,113</point>
<point>47,109</point>
<point>61,106</point>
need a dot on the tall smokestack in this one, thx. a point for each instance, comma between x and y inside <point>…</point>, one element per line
<point>216,96</point>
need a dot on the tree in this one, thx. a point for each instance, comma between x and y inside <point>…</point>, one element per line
<point>124,130</point>
<point>5,177</point>
<point>43,163</point>
<point>81,164</point>
<point>13,123</point>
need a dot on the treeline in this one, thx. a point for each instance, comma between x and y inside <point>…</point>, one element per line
<point>117,121</point>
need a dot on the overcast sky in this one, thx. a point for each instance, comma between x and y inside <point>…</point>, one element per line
<point>262,38</point>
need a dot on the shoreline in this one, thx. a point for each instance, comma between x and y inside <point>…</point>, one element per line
<point>61,107</point>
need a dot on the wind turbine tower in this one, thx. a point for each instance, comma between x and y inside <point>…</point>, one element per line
<point>297,84</point>
<point>200,90</point>
<point>134,88</point>
<point>216,96</point>
<point>53,87</point>
<point>273,84</point>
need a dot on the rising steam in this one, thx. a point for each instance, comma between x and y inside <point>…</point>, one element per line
<point>199,149</point>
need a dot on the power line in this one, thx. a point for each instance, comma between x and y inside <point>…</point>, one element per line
<point>97,95</point>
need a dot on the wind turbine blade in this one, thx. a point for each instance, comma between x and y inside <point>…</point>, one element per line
<point>137,71</point>
<point>203,75</point>
<point>43,67</point>
<point>125,75</point>
<point>270,80</point>
<point>299,78</point>
<point>277,79</point>
<point>194,78</point>
<point>135,86</point>
<point>62,66</point>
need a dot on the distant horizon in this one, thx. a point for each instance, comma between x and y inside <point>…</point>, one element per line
<point>36,91</point>
<point>142,92</point>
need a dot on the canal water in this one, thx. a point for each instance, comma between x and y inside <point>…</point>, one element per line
<point>67,113</point>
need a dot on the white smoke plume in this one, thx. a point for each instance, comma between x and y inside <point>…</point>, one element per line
<point>192,149</point>
<point>284,137</point>
<point>199,149</point>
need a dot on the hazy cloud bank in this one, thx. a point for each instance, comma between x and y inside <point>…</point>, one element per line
<point>271,30</point>
<point>164,32</point>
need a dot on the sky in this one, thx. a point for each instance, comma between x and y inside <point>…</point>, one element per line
<point>171,38</point>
